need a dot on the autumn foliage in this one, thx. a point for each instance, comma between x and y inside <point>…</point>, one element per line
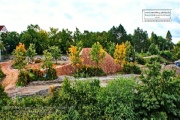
<point>120,54</point>
<point>19,56</point>
<point>74,56</point>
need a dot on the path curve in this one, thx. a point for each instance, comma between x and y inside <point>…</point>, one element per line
<point>9,82</point>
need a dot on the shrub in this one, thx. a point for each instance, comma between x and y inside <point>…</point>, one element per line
<point>158,95</point>
<point>26,76</point>
<point>3,97</point>
<point>140,60</point>
<point>38,60</point>
<point>2,75</point>
<point>132,68</point>
<point>115,102</point>
<point>89,71</point>
<point>23,78</point>
<point>153,49</point>
<point>167,54</point>
<point>49,74</point>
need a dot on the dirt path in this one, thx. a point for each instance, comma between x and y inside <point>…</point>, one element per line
<point>11,78</point>
<point>152,56</point>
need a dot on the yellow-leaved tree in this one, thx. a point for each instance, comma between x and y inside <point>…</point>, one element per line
<point>74,56</point>
<point>120,54</point>
<point>19,56</point>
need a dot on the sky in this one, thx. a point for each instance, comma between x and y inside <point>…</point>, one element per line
<point>91,15</point>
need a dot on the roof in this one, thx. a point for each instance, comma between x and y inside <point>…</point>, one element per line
<point>1,26</point>
<point>108,65</point>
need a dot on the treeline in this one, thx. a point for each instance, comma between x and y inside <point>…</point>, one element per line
<point>65,38</point>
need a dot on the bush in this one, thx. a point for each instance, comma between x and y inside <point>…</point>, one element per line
<point>38,74</point>
<point>26,76</point>
<point>89,71</point>
<point>115,102</point>
<point>140,60</point>
<point>38,60</point>
<point>3,97</point>
<point>23,78</point>
<point>158,95</point>
<point>153,49</point>
<point>131,68</point>
<point>2,75</point>
<point>166,54</point>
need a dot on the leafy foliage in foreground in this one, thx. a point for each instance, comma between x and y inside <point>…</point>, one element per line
<point>157,96</point>
<point>2,75</point>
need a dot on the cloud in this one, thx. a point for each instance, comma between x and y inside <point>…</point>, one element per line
<point>99,15</point>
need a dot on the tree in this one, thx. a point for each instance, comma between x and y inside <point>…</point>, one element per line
<point>120,54</point>
<point>47,57</point>
<point>77,36</point>
<point>37,36</point>
<point>176,51</point>
<point>130,55</point>
<point>163,43</point>
<point>47,64</point>
<point>111,48</point>
<point>19,56</point>
<point>158,95</point>
<point>74,56</point>
<point>31,51</point>
<point>118,34</point>
<point>97,53</point>
<point>10,41</point>
<point>140,40</point>
<point>168,36</point>
<point>54,37</point>
<point>154,38</point>
<point>169,39</point>
<point>66,40</point>
<point>153,49</point>
<point>56,52</point>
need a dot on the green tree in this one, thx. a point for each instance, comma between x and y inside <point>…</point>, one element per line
<point>31,51</point>
<point>118,34</point>
<point>56,52</point>
<point>10,41</point>
<point>154,38</point>
<point>97,53</point>
<point>54,37</point>
<point>34,34</point>
<point>66,40</point>
<point>129,52</point>
<point>176,51</point>
<point>47,60</point>
<point>140,40</point>
<point>153,49</point>
<point>111,48</point>
<point>169,40</point>
<point>158,95</point>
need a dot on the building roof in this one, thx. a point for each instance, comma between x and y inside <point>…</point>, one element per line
<point>1,26</point>
<point>108,65</point>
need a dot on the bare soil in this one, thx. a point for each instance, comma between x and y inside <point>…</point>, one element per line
<point>11,78</point>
